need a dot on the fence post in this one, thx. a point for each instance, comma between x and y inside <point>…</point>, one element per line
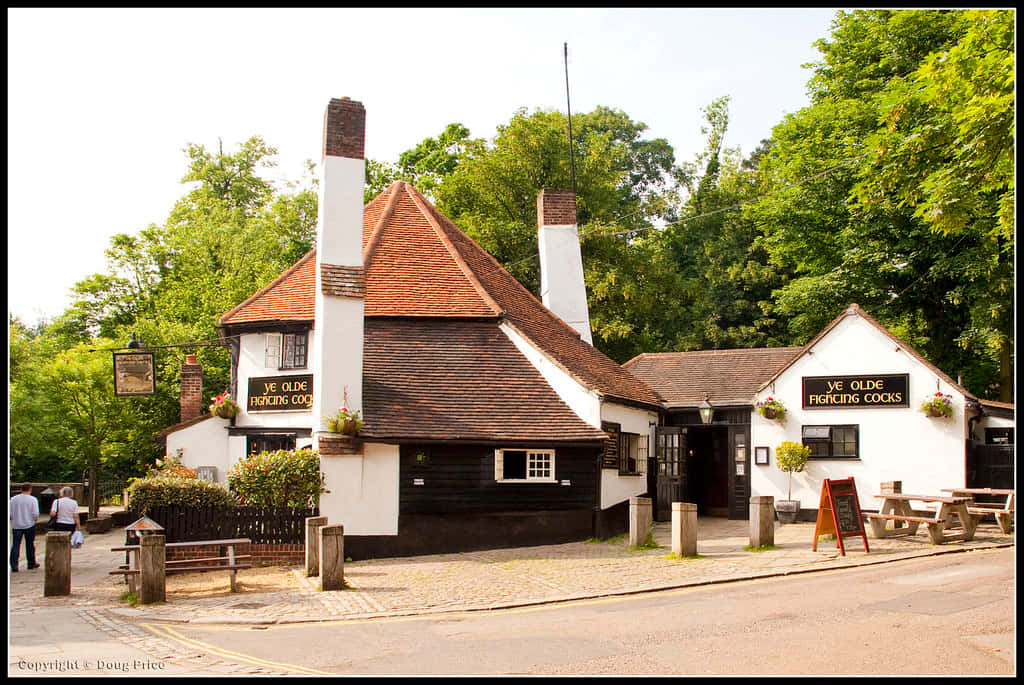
<point>313,526</point>
<point>332,557</point>
<point>639,520</point>
<point>762,520</point>
<point>57,573</point>
<point>152,587</point>
<point>684,529</point>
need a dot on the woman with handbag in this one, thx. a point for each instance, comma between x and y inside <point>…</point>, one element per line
<point>64,512</point>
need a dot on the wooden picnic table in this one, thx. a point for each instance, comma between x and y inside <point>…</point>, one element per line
<point>1003,511</point>
<point>896,508</point>
<point>131,570</point>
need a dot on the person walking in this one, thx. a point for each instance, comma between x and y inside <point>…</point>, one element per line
<point>65,510</point>
<point>24,513</point>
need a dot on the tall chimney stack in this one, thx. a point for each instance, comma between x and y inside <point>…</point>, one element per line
<point>562,287</point>
<point>340,280</point>
<point>191,388</point>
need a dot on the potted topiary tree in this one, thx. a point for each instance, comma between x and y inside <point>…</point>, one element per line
<point>790,457</point>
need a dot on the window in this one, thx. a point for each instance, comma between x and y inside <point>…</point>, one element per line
<point>832,442</point>
<point>286,350</point>
<point>254,444</point>
<point>207,473</point>
<point>524,465</point>
<point>632,454</point>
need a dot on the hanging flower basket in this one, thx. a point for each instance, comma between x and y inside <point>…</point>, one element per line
<point>346,422</point>
<point>771,408</point>
<point>938,406</point>
<point>224,407</point>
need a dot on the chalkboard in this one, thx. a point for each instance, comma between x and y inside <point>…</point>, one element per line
<point>839,513</point>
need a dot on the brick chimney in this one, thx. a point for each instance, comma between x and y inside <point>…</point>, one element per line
<point>191,388</point>
<point>340,282</point>
<point>562,287</point>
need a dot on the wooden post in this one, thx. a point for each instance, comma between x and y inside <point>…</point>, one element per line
<point>332,557</point>
<point>639,520</point>
<point>762,520</point>
<point>57,574</point>
<point>152,559</point>
<point>684,529</point>
<point>313,526</point>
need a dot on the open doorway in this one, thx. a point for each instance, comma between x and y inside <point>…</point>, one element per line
<point>707,466</point>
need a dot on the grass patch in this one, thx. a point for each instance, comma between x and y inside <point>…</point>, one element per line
<point>759,548</point>
<point>616,539</point>
<point>647,544</point>
<point>131,597</point>
<point>675,557</point>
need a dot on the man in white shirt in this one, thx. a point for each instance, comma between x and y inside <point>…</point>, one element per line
<point>24,512</point>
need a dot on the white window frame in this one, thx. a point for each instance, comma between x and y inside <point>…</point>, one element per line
<point>276,345</point>
<point>531,455</point>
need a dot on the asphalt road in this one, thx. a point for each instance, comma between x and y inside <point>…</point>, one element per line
<point>952,614</point>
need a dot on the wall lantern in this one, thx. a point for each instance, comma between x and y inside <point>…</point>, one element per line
<point>134,344</point>
<point>707,412</point>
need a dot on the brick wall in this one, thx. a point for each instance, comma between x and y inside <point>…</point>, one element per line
<point>556,208</point>
<point>267,554</point>
<point>191,389</point>
<point>344,129</point>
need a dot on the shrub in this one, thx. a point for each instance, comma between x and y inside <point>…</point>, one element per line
<point>285,478</point>
<point>162,490</point>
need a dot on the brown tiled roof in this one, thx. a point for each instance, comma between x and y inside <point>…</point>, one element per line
<point>727,376</point>
<point>436,379</point>
<point>419,264</point>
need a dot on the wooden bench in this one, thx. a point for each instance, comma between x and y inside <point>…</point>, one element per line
<point>896,508</point>
<point>131,570</point>
<point>1002,511</point>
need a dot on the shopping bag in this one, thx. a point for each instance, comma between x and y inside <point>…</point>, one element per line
<point>77,539</point>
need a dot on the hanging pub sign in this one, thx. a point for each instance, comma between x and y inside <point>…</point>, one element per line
<point>280,393</point>
<point>839,513</point>
<point>133,374</point>
<point>849,392</point>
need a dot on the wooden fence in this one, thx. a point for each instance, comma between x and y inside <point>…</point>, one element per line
<point>262,525</point>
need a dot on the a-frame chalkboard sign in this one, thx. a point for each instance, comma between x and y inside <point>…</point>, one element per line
<point>839,513</point>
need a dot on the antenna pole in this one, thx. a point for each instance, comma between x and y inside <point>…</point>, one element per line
<point>568,109</point>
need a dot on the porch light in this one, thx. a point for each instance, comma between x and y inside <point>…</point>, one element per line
<point>707,412</point>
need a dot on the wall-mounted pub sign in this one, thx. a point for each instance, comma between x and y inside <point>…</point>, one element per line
<point>849,392</point>
<point>133,374</point>
<point>280,393</point>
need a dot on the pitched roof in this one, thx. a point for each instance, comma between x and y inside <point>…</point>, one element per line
<point>727,376</point>
<point>419,264</point>
<point>433,379</point>
<point>855,310</point>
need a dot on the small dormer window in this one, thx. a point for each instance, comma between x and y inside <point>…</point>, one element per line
<point>286,350</point>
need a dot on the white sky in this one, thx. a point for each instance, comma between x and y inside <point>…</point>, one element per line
<point>101,103</point>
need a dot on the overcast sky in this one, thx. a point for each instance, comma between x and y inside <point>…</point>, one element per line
<point>101,103</point>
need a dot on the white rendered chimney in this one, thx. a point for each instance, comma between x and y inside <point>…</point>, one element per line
<point>340,279</point>
<point>562,287</point>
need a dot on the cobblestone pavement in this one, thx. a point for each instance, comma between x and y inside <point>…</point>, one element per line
<point>441,583</point>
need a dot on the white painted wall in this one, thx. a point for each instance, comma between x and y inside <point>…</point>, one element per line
<point>251,364</point>
<point>901,444</point>
<point>616,488</point>
<point>562,285</point>
<point>203,444</point>
<point>363,489</point>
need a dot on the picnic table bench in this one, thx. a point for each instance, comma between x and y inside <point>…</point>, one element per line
<point>896,508</point>
<point>233,561</point>
<point>1002,511</point>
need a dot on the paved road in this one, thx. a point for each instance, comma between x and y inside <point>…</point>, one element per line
<point>945,615</point>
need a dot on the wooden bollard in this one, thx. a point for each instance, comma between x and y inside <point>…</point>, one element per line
<point>57,573</point>
<point>152,585</point>
<point>332,557</point>
<point>639,520</point>
<point>684,529</point>
<point>313,526</point>
<point>762,520</point>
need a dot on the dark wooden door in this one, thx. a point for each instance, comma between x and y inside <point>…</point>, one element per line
<point>671,460</point>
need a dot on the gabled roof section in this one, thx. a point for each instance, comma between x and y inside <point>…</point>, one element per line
<point>419,264</point>
<point>855,310</point>
<point>727,376</point>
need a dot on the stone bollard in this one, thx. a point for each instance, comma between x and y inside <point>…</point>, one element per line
<point>332,557</point>
<point>313,526</point>
<point>639,520</point>
<point>684,529</point>
<point>762,520</point>
<point>152,569</point>
<point>57,573</point>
